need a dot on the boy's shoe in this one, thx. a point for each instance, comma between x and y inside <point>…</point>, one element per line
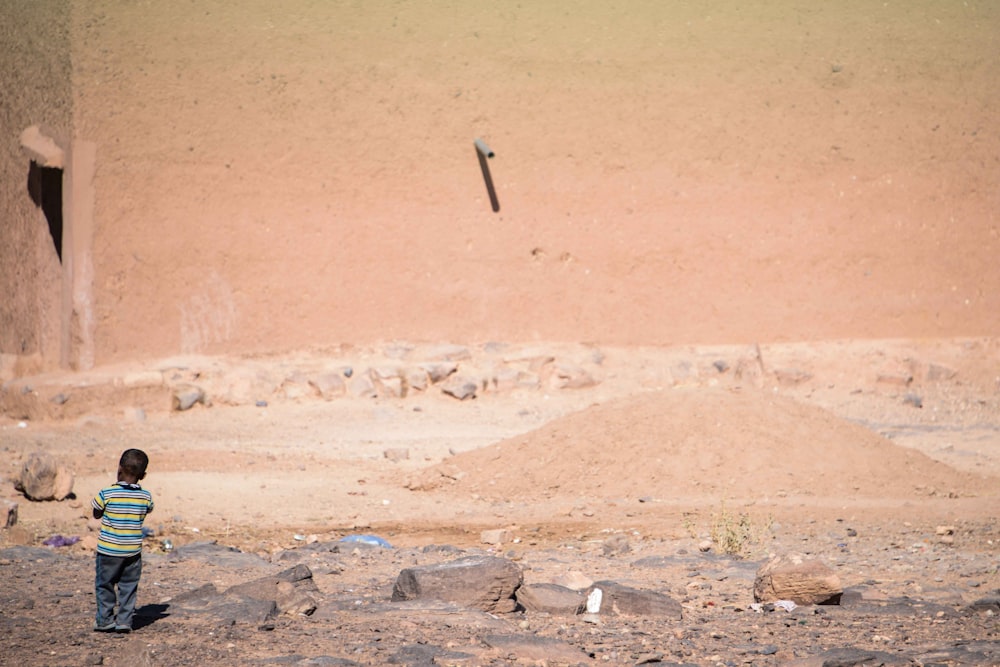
<point>108,627</point>
<point>122,629</point>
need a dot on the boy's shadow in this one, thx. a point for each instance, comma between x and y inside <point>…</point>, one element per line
<point>149,614</point>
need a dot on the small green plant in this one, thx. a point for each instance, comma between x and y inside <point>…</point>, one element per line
<point>736,535</point>
<point>689,525</point>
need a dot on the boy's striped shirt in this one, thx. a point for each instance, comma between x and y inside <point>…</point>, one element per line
<point>124,506</point>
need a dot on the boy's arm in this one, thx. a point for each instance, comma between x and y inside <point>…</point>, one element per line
<point>97,504</point>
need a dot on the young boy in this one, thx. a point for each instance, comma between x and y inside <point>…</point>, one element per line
<point>121,509</point>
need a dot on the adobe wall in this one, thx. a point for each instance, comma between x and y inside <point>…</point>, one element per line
<point>35,79</point>
<point>271,176</point>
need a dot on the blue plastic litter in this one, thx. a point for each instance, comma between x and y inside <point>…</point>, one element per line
<point>372,540</point>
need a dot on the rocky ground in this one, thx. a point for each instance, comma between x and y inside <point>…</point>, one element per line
<point>675,473</point>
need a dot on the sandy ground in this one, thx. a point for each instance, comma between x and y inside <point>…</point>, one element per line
<point>825,427</point>
<point>892,440</point>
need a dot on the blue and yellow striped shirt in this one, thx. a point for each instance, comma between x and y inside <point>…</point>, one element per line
<point>124,506</point>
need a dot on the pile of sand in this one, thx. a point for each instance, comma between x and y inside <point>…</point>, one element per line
<point>689,442</point>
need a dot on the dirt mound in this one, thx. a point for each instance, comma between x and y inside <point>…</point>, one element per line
<point>695,442</point>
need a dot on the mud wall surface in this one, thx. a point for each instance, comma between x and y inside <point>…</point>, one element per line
<point>278,175</point>
<point>35,89</point>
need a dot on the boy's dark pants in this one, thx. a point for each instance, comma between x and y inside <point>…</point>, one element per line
<point>124,573</point>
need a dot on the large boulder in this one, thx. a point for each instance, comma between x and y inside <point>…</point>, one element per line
<point>44,478</point>
<point>797,578</point>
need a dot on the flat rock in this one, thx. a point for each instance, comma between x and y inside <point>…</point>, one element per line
<point>850,657</point>
<point>216,554</point>
<point>486,583</point>
<point>986,604</point>
<point>535,648</point>
<point>618,599</point>
<point>438,372</point>
<point>427,654</point>
<point>551,599</point>
<point>461,388</point>
<point>27,553</point>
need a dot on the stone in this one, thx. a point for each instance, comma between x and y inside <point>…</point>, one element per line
<point>396,454</point>
<point>329,385</point>
<point>300,575</point>
<point>44,478</point>
<point>511,379</point>
<point>540,363</point>
<point>616,545</point>
<point>487,583</point>
<point>795,577</point>
<point>27,554</point>
<point>361,386</point>
<point>533,649</point>
<point>990,603</point>
<point>448,353</point>
<point>241,386</point>
<point>750,369</point>
<point>573,579</point>
<point>496,536</point>
<point>297,386</point>
<point>850,657</point>
<point>141,379</point>
<point>791,377</point>
<point>288,592</point>
<point>187,397</point>
<point>461,388</point>
<point>426,654</point>
<point>618,599</point>
<point>228,608</point>
<point>8,513</point>
<point>388,382</point>
<point>293,601</point>
<point>505,379</point>
<point>416,379</point>
<point>438,372</point>
<point>218,555</point>
<point>567,376</point>
<point>551,599</point>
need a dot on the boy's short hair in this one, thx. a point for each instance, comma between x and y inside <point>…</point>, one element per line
<point>134,462</point>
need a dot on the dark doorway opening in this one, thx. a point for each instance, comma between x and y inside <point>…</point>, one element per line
<point>45,186</point>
